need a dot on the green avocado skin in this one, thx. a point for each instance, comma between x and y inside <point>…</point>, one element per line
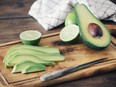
<point>86,41</point>
<point>93,46</point>
<point>71,19</point>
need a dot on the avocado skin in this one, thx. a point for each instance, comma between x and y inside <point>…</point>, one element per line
<point>93,46</point>
<point>86,42</point>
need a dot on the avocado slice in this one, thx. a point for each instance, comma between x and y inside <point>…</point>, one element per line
<point>34,68</point>
<point>93,32</point>
<point>51,58</point>
<point>26,64</point>
<point>45,49</point>
<point>17,58</point>
<point>71,18</point>
<point>38,54</point>
<point>42,50</point>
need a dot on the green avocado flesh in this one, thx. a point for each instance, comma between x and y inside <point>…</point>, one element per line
<point>38,54</point>
<point>23,57</point>
<point>28,59</point>
<point>93,32</point>
<point>26,64</point>
<point>34,68</point>
<point>46,49</point>
<point>16,55</point>
<point>36,49</point>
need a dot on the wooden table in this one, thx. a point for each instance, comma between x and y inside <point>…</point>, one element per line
<point>14,19</point>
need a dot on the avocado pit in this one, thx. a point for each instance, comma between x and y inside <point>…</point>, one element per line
<point>95,30</point>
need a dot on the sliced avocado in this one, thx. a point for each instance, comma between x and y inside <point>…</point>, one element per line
<point>93,32</point>
<point>38,54</point>
<point>46,49</point>
<point>25,64</point>
<point>17,58</point>
<point>34,68</point>
<point>52,58</point>
<point>71,18</point>
<point>42,50</point>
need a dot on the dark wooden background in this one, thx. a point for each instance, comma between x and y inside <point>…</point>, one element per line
<point>14,19</point>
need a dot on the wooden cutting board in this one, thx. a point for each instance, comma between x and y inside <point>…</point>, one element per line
<point>75,54</point>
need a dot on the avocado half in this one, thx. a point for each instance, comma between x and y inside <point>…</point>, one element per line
<point>93,32</point>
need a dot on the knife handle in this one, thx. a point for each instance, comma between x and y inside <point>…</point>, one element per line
<point>53,75</point>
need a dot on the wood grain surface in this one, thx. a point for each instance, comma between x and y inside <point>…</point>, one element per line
<point>75,54</point>
<point>15,8</point>
<point>14,19</point>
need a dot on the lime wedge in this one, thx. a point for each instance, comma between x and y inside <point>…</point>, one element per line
<point>30,37</point>
<point>71,18</point>
<point>70,34</point>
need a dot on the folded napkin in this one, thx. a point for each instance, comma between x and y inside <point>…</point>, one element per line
<point>51,13</point>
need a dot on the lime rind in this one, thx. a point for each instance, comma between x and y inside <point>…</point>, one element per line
<point>71,18</point>
<point>30,37</point>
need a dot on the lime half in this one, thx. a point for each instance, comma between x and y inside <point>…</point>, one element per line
<point>30,37</point>
<point>70,34</point>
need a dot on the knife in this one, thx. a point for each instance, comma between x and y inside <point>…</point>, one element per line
<point>63,72</point>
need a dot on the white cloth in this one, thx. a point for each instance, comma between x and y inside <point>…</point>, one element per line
<point>51,13</point>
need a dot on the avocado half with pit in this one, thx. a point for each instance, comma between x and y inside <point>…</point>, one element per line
<point>93,32</point>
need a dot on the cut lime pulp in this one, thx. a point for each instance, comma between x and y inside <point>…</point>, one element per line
<point>30,37</point>
<point>70,34</point>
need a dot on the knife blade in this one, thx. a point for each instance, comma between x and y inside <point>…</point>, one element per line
<point>63,72</point>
